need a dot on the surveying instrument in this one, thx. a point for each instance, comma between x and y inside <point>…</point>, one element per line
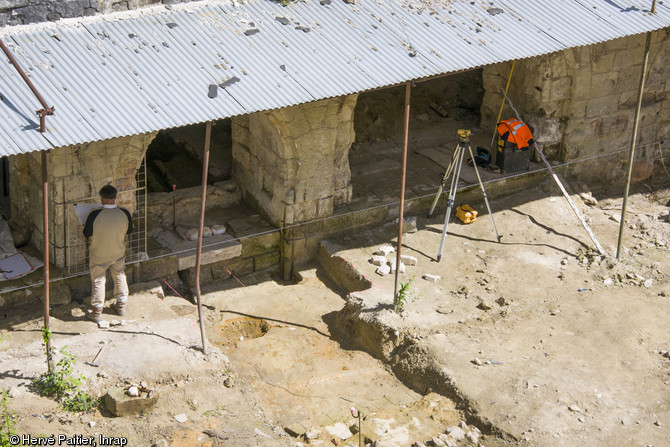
<point>454,171</point>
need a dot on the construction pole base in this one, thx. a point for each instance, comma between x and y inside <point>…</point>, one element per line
<point>439,258</point>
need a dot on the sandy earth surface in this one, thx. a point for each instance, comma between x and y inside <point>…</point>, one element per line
<point>534,341</point>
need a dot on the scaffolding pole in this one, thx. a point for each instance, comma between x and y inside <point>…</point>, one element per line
<point>401,209</point>
<point>631,154</point>
<point>205,168</point>
<point>45,254</point>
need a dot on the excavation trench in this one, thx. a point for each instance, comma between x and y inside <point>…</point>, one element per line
<point>307,381</point>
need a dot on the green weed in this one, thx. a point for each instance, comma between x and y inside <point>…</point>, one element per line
<point>406,294</point>
<point>7,418</point>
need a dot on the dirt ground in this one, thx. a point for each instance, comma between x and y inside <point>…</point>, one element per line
<point>534,341</point>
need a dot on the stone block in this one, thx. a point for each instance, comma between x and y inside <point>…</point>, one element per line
<point>59,294</point>
<point>160,268</point>
<point>604,84</point>
<point>325,207</point>
<point>257,245</point>
<point>629,78</point>
<point>266,261</point>
<point>119,403</point>
<point>408,260</point>
<point>627,58</point>
<point>559,89</point>
<point>216,248</point>
<point>354,220</point>
<point>602,106</point>
<point>601,62</point>
<point>238,267</point>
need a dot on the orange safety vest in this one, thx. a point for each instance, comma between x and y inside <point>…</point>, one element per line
<point>517,132</point>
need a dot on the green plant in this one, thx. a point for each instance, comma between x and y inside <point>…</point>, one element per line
<point>406,294</point>
<point>7,417</point>
<point>81,401</point>
<point>61,382</point>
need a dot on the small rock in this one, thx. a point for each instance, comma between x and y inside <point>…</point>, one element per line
<point>408,260</point>
<point>160,443</point>
<point>437,442</point>
<point>401,269</point>
<point>133,391</point>
<point>218,229</point>
<point>383,270</point>
<point>472,437</point>
<point>615,217</point>
<point>192,234</point>
<point>456,432</point>
<point>608,281</point>
<point>554,312</point>
<point>581,419</point>
<point>384,250</point>
<point>477,362</point>
<point>339,430</point>
<point>260,433</point>
<point>588,199</point>
<point>575,409</point>
<point>181,418</point>
<point>648,283</point>
<point>312,433</point>
<point>663,293</point>
<point>431,278</point>
<point>115,323</point>
<point>102,324</point>
<point>143,384</point>
<point>564,261</point>
<point>657,423</point>
<point>502,301</point>
<point>484,305</point>
<point>14,392</point>
<point>463,425</point>
<point>91,424</point>
<point>103,375</point>
<point>228,383</point>
<point>378,260</point>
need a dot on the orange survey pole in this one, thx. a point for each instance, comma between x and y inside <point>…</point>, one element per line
<point>402,197</point>
<point>205,168</point>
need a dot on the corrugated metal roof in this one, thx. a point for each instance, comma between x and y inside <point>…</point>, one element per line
<point>151,69</point>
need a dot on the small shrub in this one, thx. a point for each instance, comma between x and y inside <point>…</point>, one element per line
<point>7,417</point>
<point>406,294</point>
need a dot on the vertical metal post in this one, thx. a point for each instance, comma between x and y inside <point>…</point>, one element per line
<point>631,154</point>
<point>205,168</point>
<point>45,253</point>
<point>653,7</point>
<point>502,104</point>
<point>408,90</point>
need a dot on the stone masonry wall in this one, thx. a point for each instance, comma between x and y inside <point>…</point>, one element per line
<point>293,162</point>
<point>76,174</point>
<point>581,103</point>
<point>18,12</point>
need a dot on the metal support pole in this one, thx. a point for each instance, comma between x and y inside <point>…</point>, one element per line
<point>46,109</point>
<point>502,104</point>
<point>408,91</point>
<point>45,253</point>
<point>653,7</point>
<point>631,154</point>
<point>205,168</point>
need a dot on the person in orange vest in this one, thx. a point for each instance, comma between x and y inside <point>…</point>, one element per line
<point>516,132</point>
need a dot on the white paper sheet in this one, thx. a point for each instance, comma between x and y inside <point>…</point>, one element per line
<point>83,209</point>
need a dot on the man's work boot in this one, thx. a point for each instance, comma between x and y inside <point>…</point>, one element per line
<point>94,314</point>
<point>120,308</point>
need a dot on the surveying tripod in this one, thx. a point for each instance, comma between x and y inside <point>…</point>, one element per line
<point>454,170</point>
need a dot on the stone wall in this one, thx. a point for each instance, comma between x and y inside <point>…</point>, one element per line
<point>293,162</point>
<point>18,12</point>
<point>581,103</point>
<point>76,174</point>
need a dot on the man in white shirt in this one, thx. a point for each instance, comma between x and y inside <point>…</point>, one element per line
<point>107,228</point>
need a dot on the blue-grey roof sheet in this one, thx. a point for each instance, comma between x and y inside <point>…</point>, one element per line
<point>152,69</point>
